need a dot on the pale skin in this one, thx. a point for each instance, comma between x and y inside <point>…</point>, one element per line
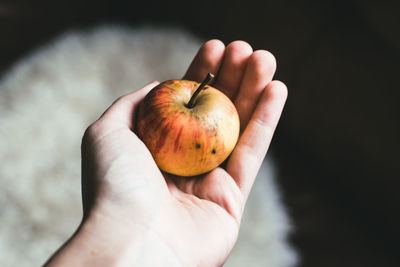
<point>136,215</point>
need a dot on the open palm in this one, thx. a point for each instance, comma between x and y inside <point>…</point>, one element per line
<point>198,218</point>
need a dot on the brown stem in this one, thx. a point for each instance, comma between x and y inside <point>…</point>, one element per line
<point>192,100</point>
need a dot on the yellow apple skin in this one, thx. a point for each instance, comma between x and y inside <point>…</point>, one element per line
<point>187,141</point>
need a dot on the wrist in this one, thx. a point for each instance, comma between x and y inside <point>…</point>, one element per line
<point>101,241</point>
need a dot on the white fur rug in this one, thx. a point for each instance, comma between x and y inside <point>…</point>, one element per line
<point>46,102</point>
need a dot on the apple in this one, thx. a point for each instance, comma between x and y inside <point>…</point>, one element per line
<point>189,128</point>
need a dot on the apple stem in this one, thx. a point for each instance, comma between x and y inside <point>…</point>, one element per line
<point>192,100</point>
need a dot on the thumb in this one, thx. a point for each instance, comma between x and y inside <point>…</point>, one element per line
<point>122,112</point>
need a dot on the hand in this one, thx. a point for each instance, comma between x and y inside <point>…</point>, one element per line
<point>136,215</point>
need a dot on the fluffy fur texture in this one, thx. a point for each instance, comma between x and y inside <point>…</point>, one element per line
<point>46,102</point>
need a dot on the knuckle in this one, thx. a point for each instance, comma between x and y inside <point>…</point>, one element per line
<point>119,100</point>
<point>91,133</point>
<point>87,136</point>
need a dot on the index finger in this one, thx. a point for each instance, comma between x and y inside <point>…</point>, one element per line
<point>208,59</point>
<point>246,158</point>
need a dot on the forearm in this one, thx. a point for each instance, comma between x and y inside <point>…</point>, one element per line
<point>101,242</point>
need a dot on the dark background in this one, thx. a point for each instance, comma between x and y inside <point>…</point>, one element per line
<point>337,144</point>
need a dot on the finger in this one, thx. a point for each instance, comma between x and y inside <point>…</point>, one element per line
<point>252,146</point>
<point>208,59</point>
<point>232,69</point>
<point>260,69</point>
<point>122,111</point>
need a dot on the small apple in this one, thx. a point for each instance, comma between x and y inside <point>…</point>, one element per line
<point>188,130</point>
